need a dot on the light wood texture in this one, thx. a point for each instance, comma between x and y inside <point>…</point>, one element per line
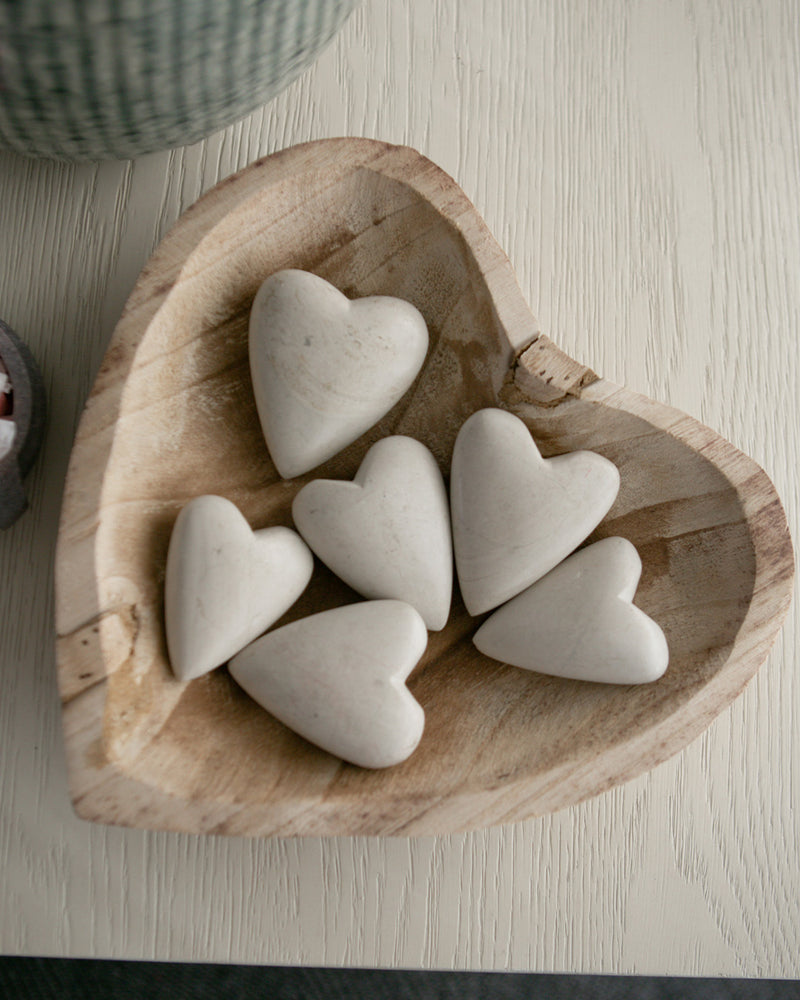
<point>639,163</point>
<point>172,416</point>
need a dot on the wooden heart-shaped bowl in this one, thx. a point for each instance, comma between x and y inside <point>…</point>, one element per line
<point>172,415</point>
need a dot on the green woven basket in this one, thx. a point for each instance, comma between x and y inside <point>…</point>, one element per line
<point>112,79</point>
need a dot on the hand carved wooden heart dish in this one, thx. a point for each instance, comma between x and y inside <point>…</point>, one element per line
<point>172,415</point>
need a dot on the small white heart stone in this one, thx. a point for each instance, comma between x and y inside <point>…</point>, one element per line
<point>579,622</point>
<point>326,369</point>
<point>226,584</point>
<point>338,679</point>
<point>387,533</point>
<point>515,514</point>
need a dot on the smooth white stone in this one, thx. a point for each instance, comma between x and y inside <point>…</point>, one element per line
<point>515,514</point>
<point>226,584</point>
<point>579,622</point>
<point>386,533</point>
<point>338,679</point>
<point>326,369</point>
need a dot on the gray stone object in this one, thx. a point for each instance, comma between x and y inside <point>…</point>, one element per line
<point>28,409</point>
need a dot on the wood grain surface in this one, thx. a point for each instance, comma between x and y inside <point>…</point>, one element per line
<point>640,165</point>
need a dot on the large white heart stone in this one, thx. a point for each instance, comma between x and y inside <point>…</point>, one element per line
<point>326,369</point>
<point>338,679</point>
<point>515,514</point>
<point>579,622</point>
<point>226,584</point>
<point>387,533</point>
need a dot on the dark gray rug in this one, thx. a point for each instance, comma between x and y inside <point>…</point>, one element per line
<point>77,979</point>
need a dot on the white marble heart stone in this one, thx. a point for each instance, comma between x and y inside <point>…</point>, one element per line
<point>386,533</point>
<point>515,514</point>
<point>226,584</point>
<point>578,621</point>
<point>338,679</point>
<point>326,369</point>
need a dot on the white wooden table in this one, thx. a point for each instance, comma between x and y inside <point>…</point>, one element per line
<point>640,163</point>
